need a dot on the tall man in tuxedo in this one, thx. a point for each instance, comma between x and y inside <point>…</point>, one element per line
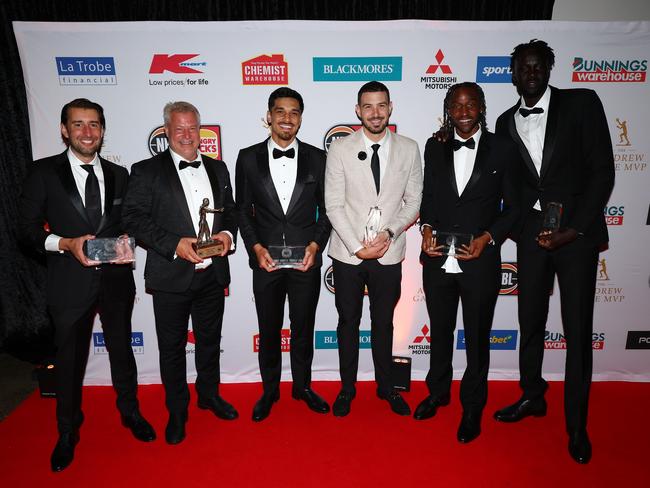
<point>372,168</point>
<point>280,202</point>
<point>565,144</point>
<point>161,210</point>
<point>67,200</point>
<point>470,187</point>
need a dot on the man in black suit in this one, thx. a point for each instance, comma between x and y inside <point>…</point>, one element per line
<point>280,202</point>
<point>470,187</point>
<point>67,200</point>
<point>161,209</point>
<point>565,144</point>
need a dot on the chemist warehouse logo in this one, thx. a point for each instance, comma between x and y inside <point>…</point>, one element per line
<point>77,71</point>
<point>285,341</point>
<point>609,70</point>
<point>99,344</point>
<point>439,75</point>
<point>556,340</point>
<point>343,130</point>
<point>265,70</point>
<point>210,144</point>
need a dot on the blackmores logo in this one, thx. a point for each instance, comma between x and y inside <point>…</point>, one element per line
<point>556,340</point>
<point>357,69</point>
<point>210,141</point>
<point>176,63</point>
<point>614,214</point>
<point>343,130</point>
<point>86,71</point>
<point>265,70</point>
<point>508,279</point>
<point>445,76</point>
<point>609,70</point>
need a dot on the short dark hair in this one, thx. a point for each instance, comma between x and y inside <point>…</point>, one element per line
<point>85,104</point>
<point>540,47</point>
<point>447,124</point>
<point>285,92</point>
<point>372,87</point>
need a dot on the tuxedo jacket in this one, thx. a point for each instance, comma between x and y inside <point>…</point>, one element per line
<point>489,202</point>
<point>350,194</point>
<point>50,200</point>
<point>577,163</point>
<point>260,215</point>
<point>157,214</point>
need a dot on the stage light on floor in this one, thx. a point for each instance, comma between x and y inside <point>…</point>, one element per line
<point>401,371</point>
<point>45,375</point>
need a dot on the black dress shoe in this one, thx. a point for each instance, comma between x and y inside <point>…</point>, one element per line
<point>262,408</point>
<point>175,430</point>
<point>218,406</point>
<point>312,399</point>
<point>342,403</point>
<point>522,409</point>
<point>63,453</point>
<point>429,406</point>
<point>469,428</point>
<point>140,428</point>
<point>580,447</point>
<point>397,403</point>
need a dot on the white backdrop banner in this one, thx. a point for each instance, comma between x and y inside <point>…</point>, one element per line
<point>228,69</point>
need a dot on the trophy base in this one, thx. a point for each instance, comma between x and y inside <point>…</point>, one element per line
<point>287,256</point>
<point>108,250</point>
<point>208,249</point>
<point>452,242</point>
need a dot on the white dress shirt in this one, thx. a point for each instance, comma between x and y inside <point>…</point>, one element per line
<point>283,172</point>
<point>532,130</point>
<point>384,150</point>
<point>80,175</point>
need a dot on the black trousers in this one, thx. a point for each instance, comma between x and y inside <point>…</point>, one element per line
<point>114,296</point>
<point>271,290</point>
<point>478,294</point>
<point>575,265</point>
<point>384,284</point>
<point>204,302</point>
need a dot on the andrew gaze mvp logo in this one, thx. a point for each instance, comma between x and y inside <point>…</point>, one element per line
<point>499,339</point>
<point>344,130</point>
<point>86,71</point>
<point>556,340</point>
<point>493,69</point>
<point>99,343</point>
<point>358,69</point>
<point>327,339</point>
<point>210,141</point>
<point>609,70</point>
<point>176,64</point>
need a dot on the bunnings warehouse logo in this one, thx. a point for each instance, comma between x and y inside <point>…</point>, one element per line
<point>609,70</point>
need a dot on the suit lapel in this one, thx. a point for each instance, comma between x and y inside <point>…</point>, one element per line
<point>302,173</point>
<point>265,175</point>
<point>109,194</point>
<point>64,173</point>
<point>479,161</point>
<point>522,147</point>
<point>552,122</point>
<point>176,187</point>
<point>449,165</point>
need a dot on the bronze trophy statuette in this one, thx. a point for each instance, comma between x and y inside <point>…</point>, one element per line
<point>206,246</point>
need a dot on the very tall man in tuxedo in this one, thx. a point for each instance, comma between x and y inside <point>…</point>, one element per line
<point>372,168</point>
<point>67,200</point>
<point>565,144</point>
<point>161,210</point>
<point>281,202</point>
<point>470,187</point>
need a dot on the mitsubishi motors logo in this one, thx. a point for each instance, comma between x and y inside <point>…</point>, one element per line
<point>421,342</point>
<point>444,68</point>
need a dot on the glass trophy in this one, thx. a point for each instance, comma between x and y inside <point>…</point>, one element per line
<point>452,242</point>
<point>552,217</point>
<point>115,250</point>
<point>206,246</point>
<point>287,256</point>
<point>372,224</point>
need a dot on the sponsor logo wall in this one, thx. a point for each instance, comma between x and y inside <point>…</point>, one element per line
<point>135,73</point>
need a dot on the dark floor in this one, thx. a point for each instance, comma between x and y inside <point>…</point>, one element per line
<point>16,383</point>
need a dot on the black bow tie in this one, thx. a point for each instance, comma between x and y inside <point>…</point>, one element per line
<point>185,164</point>
<point>469,144</point>
<point>526,112</point>
<point>289,153</point>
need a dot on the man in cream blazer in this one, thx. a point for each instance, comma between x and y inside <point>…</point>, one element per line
<point>373,168</point>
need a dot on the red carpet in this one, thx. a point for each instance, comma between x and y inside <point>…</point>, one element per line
<point>372,447</point>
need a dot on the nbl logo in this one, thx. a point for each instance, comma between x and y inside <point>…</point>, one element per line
<point>343,130</point>
<point>508,279</point>
<point>210,144</point>
<point>329,281</point>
